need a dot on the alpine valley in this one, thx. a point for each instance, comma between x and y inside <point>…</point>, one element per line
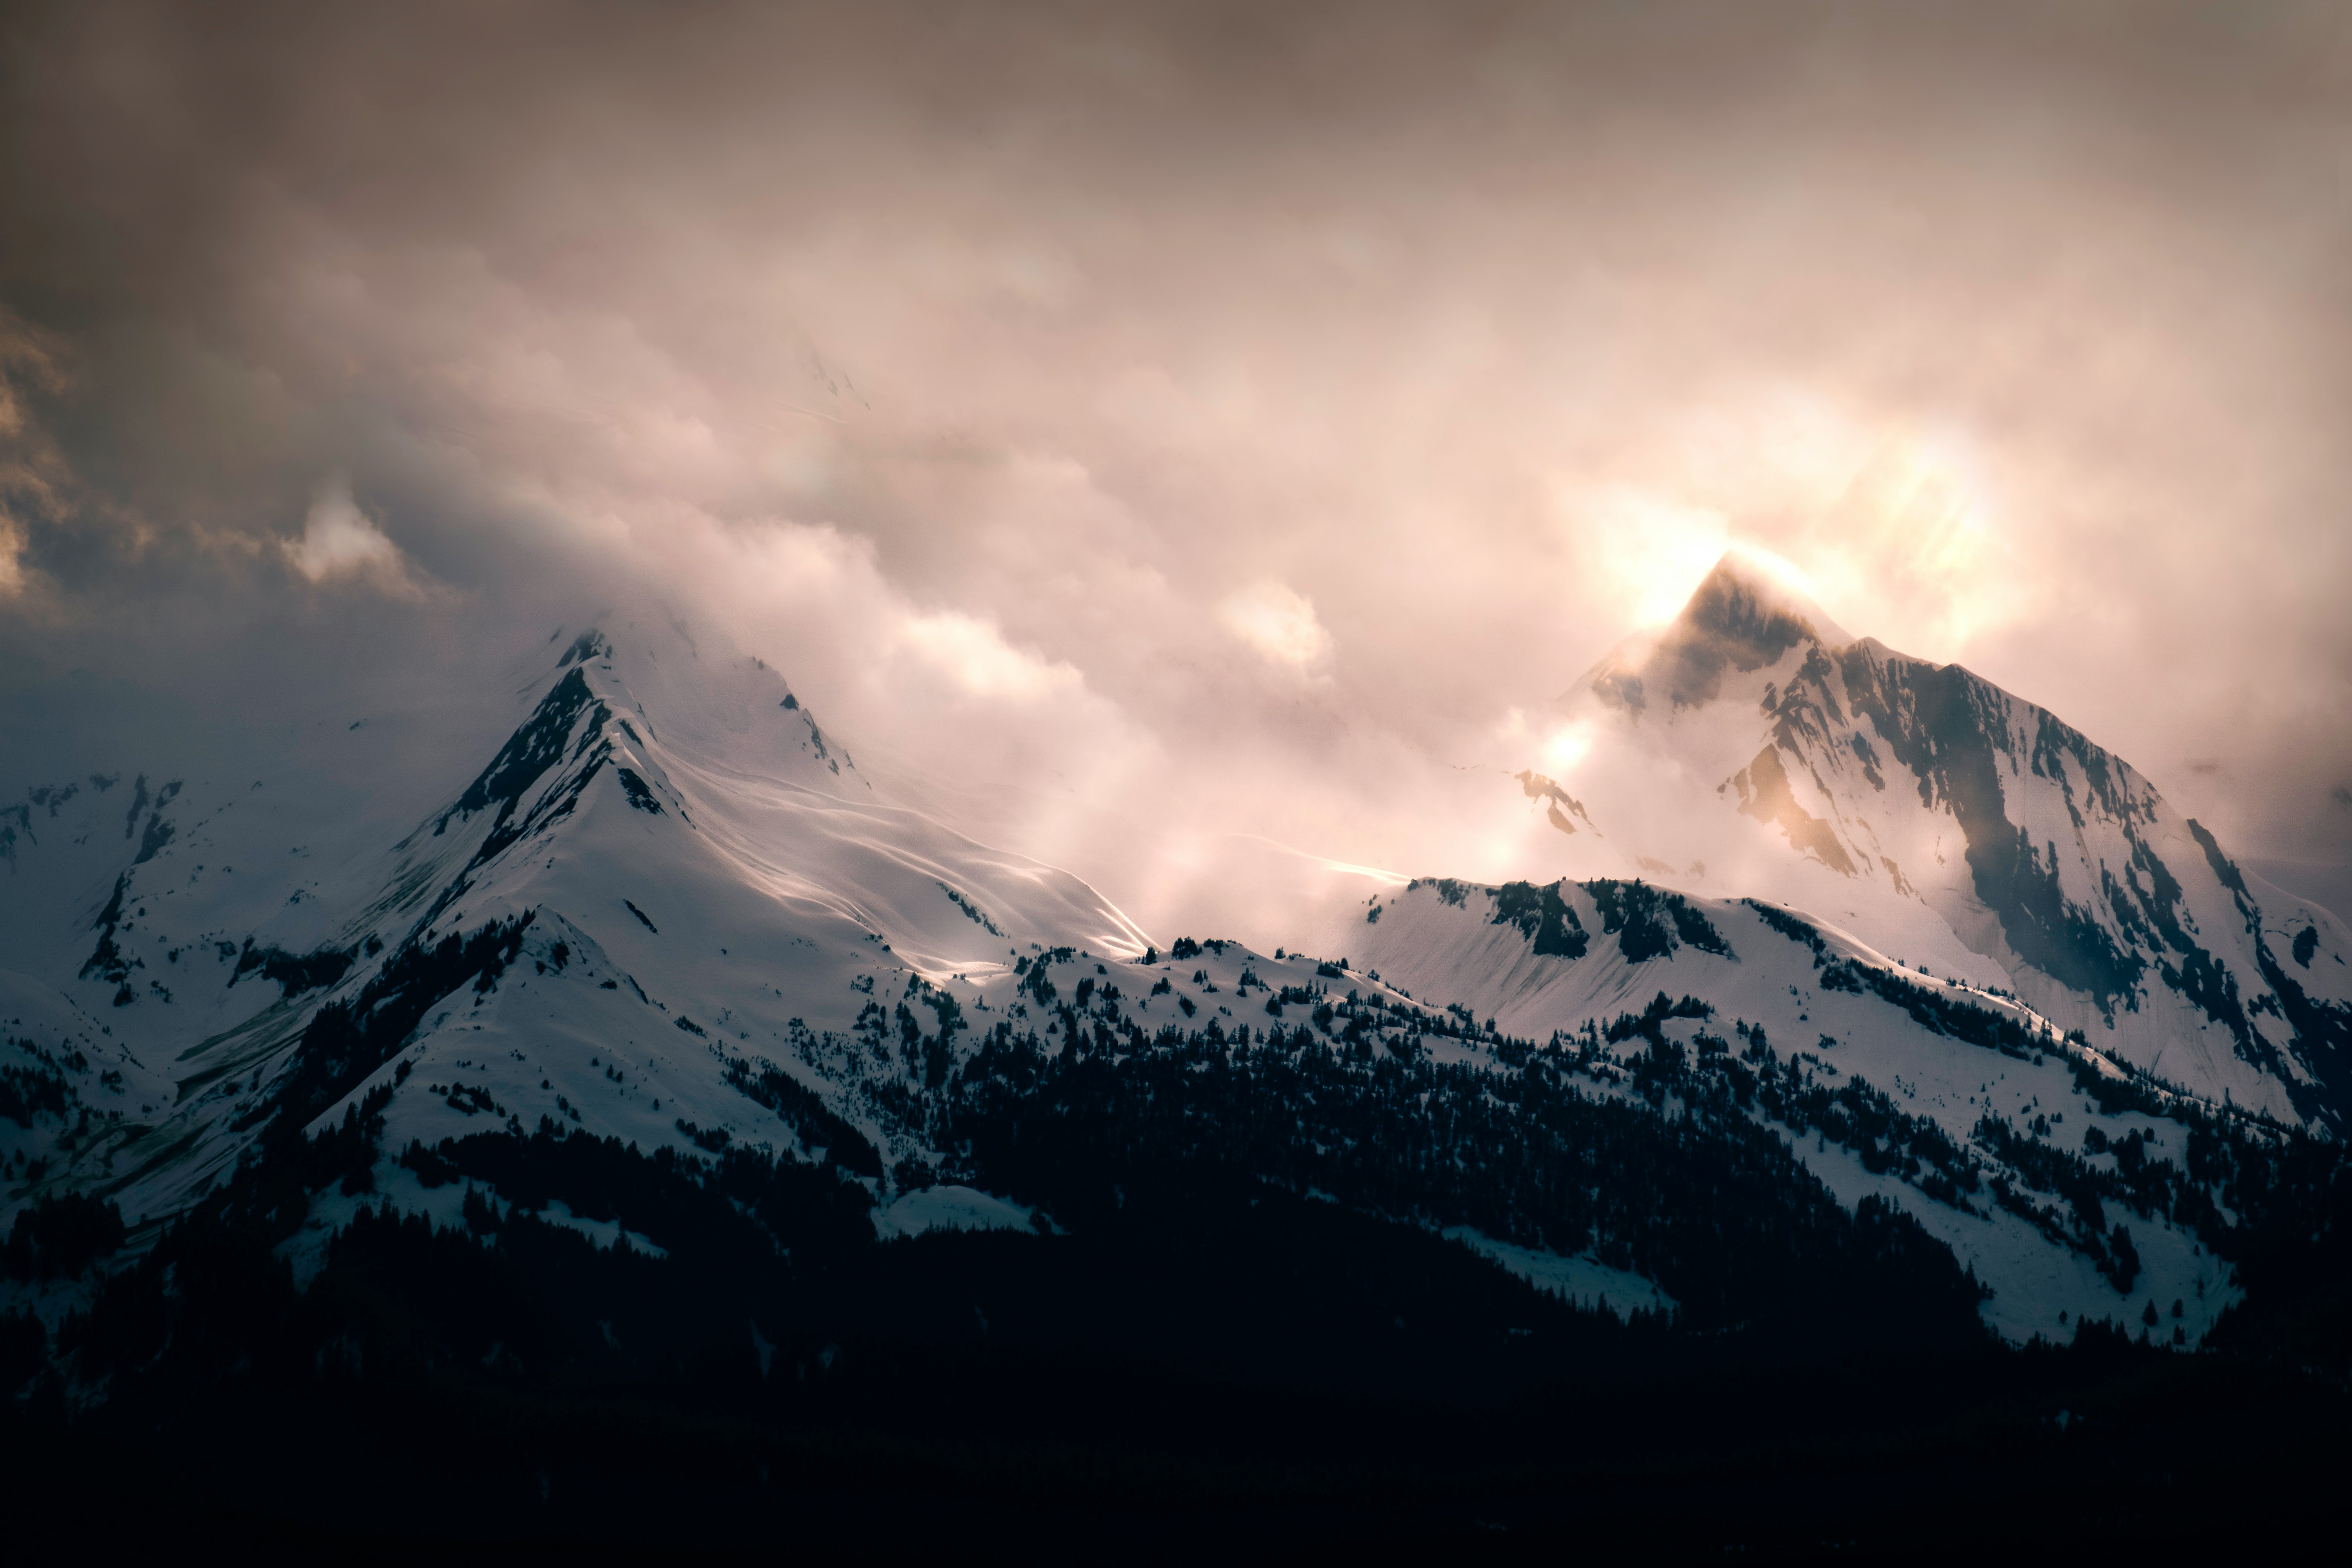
<point>1874,1094</point>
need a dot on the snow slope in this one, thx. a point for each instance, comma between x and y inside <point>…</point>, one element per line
<point>667,908</point>
<point>1754,748</point>
<point>1460,943</point>
<point>668,866</point>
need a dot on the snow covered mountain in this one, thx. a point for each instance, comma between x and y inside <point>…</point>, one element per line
<point>1964,1109</point>
<point>664,858</point>
<point>1754,748</point>
<point>669,911</point>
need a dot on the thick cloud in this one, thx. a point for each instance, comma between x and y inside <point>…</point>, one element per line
<point>1150,432</point>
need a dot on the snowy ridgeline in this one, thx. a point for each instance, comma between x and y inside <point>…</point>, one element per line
<point>1753,749</point>
<point>670,913</point>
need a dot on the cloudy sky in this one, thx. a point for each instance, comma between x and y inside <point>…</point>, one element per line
<point>1137,430</point>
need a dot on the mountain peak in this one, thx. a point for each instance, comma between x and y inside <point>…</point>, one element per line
<point>1745,615</point>
<point>1754,598</point>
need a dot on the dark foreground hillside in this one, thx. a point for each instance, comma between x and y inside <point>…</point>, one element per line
<point>907,1452</point>
<point>1208,1362</point>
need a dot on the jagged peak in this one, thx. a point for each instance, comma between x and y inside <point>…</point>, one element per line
<point>589,644</point>
<point>1748,594</point>
<point>1746,613</point>
<point>690,685</point>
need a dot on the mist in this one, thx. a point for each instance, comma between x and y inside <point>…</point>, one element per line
<point>1180,442</point>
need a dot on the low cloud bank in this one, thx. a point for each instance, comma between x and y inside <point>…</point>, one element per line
<point>1151,437</point>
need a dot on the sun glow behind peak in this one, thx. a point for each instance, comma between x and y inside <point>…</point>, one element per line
<point>1754,560</point>
<point>1650,550</point>
<point>1908,541</point>
<point>1891,520</point>
<point>1567,748</point>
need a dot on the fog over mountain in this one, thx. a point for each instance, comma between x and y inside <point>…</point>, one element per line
<point>1172,439</point>
<point>1186,782</point>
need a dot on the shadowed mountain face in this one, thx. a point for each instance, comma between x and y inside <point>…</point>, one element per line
<point>1735,622</point>
<point>1938,815</point>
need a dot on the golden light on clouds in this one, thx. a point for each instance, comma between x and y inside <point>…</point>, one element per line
<point>1909,538</point>
<point>1649,550</point>
<point>1306,408</point>
<point>1879,531</point>
<point>340,541</point>
<point>1568,746</point>
<point>1278,622</point>
<point>12,545</point>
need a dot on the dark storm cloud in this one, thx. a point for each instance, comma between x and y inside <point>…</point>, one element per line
<point>1206,416</point>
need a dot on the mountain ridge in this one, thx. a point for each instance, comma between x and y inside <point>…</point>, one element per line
<point>667,917</point>
<point>1979,826</point>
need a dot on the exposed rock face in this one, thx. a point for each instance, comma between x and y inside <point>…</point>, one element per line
<point>1737,622</point>
<point>1938,815</point>
<point>1764,795</point>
